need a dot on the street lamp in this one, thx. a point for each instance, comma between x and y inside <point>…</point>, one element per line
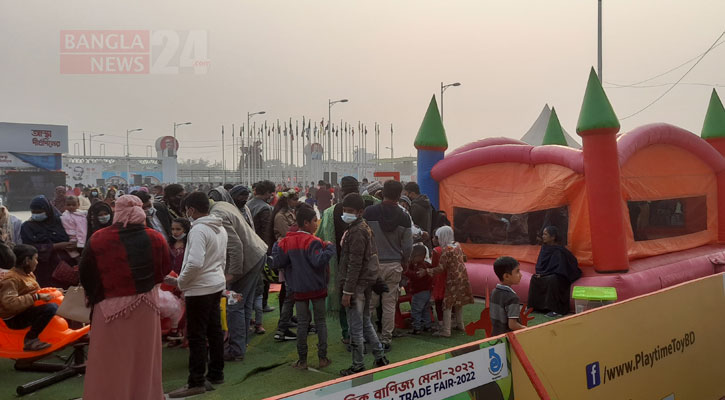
<point>330,103</point>
<point>443,89</point>
<point>90,142</point>
<point>179,124</point>
<point>249,149</point>
<point>128,157</point>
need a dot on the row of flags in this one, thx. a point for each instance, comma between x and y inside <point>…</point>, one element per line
<point>308,130</point>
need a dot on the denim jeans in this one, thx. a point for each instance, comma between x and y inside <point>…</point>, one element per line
<point>258,310</point>
<point>361,327</point>
<point>204,330</point>
<point>35,317</point>
<point>303,324</point>
<point>420,310</point>
<point>285,314</point>
<point>239,315</point>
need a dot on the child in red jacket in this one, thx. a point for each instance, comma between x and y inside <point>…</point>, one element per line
<point>305,258</point>
<point>420,288</point>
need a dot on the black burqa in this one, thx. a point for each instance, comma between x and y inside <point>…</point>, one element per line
<point>556,270</point>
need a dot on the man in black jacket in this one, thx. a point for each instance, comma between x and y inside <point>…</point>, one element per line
<point>157,215</point>
<point>420,207</point>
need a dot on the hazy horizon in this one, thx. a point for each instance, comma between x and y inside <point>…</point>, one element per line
<point>388,58</point>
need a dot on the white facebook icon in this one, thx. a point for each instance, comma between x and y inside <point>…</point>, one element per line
<point>593,377</point>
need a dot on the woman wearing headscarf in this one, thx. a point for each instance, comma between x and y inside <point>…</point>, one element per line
<point>10,226</point>
<point>120,267</point>
<point>94,196</point>
<point>59,200</point>
<point>110,197</point>
<point>458,288</point>
<point>556,270</point>
<point>45,231</point>
<point>100,216</point>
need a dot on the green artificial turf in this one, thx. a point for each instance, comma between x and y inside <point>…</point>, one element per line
<point>266,370</point>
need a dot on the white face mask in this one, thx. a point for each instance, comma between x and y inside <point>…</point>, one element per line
<point>348,218</point>
<point>104,219</point>
<point>179,237</point>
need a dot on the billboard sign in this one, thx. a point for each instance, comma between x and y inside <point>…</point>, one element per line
<point>33,138</point>
<point>86,174</point>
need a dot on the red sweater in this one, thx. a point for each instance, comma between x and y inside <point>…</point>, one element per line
<point>418,284</point>
<point>121,261</point>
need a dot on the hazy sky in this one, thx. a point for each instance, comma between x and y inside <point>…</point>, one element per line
<point>388,57</point>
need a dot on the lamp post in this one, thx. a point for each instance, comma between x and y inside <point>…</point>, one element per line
<point>330,103</point>
<point>249,148</point>
<point>128,157</point>
<point>90,142</point>
<point>443,89</point>
<point>175,125</point>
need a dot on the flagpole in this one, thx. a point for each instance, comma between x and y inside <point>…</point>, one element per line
<point>224,163</point>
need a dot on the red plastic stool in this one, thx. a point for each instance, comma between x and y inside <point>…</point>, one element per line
<point>402,319</point>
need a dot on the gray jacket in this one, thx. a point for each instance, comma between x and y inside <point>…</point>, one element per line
<point>392,231</point>
<point>244,247</point>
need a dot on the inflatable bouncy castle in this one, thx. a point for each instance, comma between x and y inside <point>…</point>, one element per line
<point>640,211</point>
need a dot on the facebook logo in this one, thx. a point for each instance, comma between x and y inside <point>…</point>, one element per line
<point>593,375</point>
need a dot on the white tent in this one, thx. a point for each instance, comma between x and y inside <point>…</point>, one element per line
<point>535,135</point>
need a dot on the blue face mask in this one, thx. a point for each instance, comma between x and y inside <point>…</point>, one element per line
<point>348,218</point>
<point>39,217</point>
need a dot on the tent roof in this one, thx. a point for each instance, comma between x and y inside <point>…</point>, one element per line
<point>535,134</point>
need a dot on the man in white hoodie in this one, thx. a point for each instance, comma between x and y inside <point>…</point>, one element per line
<point>202,281</point>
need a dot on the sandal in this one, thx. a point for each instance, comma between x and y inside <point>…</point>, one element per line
<point>35,345</point>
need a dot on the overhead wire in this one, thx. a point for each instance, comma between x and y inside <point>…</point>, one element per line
<point>702,56</point>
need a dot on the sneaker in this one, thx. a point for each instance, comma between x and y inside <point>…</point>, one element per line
<point>231,358</point>
<point>351,371</point>
<point>386,347</point>
<point>286,335</point>
<point>259,330</point>
<point>381,362</point>
<point>187,391</point>
<point>301,365</point>
<point>174,335</point>
<point>269,309</point>
<point>214,381</point>
<point>554,315</point>
<point>208,387</point>
<point>324,362</point>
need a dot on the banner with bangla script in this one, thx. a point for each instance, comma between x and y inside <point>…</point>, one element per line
<point>480,371</point>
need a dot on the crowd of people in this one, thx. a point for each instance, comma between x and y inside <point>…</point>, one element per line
<point>340,254</point>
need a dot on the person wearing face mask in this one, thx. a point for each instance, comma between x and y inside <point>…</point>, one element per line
<point>157,215</point>
<point>331,229</point>
<point>45,232</point>
<point>94,196</point>
<point>100,216</point>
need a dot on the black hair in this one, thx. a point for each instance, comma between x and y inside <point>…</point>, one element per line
<point>172,190</point>
<point>412,187</point>
<point>7,257</point>
<point>185,225</point>
<point>418,250</point>
<point>196,200</point>
<point>504,265</point>
<point>553,231</point>
<point>392,190</point>
<point>22,253</point>
<point>304,214</point>
<point>354,201</point>
<point>321,182</point>
<point>141,195</point>
<point>228,186</point>
<point>264,187</point>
